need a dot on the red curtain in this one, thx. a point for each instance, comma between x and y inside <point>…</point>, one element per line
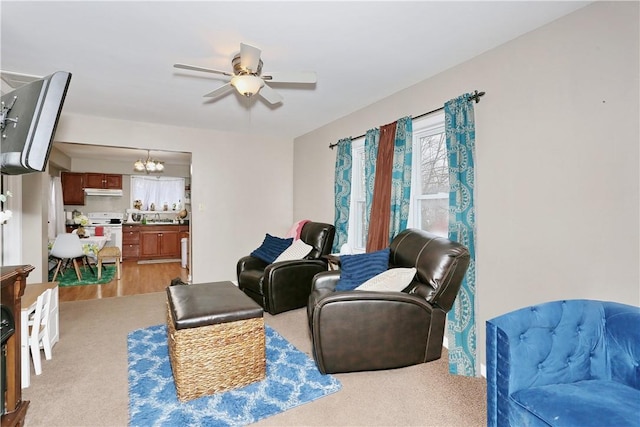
<point>378,237</point>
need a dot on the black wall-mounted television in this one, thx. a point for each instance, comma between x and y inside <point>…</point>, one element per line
<point>30,115</point>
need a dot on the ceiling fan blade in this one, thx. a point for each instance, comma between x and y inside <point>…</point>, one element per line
<point>270,95</point>
<point>249,57</point>
<point>291,77</point>
<point>222,90</point>
<point>206,70</point>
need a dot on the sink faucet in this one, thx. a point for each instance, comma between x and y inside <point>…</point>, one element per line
<point>157,217</point>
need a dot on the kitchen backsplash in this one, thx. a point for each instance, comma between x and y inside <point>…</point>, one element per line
<point>103,204</point>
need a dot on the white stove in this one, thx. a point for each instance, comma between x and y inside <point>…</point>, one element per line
<point>105,218</point>
<point>111,222</point>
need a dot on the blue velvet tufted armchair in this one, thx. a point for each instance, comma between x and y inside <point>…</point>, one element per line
<point>564,363</point>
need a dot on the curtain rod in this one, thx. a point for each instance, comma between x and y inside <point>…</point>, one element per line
<point>475,97</point>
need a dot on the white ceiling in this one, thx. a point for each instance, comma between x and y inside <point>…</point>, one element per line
<point>121,53</point>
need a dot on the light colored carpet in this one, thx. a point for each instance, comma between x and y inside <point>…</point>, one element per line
<point>85,384</point>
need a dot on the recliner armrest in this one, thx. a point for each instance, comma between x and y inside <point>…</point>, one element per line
<point>250,263</point>
<point>337,297</point>
<point>280,270</point>
<point>362,330</point>
<point>287,284</point>
<point>325,280</point>
<point>323,283</point>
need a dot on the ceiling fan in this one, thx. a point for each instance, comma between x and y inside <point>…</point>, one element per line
<point>247,77</point>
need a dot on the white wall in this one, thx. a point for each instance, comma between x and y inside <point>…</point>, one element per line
<point>241,185</point>
<point>34,217</point>
<point>557,139</point>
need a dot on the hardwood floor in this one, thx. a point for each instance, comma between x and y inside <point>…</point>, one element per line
<point>136,279</point>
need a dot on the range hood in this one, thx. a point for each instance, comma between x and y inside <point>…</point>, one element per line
<point>102,192</point>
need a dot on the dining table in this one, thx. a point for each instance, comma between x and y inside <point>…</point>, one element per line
<point>29,299</point>
<point>91,245</point>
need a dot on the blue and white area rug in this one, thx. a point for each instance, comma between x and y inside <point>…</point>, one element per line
<point>292,379</point>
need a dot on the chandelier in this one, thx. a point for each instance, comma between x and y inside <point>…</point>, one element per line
<point>148,165</point>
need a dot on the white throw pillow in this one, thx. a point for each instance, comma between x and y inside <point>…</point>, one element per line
<point>392,280</point>
<point>297,250</point>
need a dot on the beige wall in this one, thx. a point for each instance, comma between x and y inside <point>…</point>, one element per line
<point>241,186</point>
<point>557,139</point>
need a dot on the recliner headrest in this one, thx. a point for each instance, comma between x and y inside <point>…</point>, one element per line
<point>320,236</point>
<point>441,263</point>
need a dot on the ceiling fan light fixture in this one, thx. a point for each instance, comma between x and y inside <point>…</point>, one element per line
<point>247,84</point>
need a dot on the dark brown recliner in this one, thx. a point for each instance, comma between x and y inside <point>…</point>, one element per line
<point>364,330</point>
<point>286,285</point>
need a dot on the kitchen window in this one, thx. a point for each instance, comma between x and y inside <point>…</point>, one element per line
<point>159,191</point>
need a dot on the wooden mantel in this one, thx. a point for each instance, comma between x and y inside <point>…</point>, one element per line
<point>14,280</point>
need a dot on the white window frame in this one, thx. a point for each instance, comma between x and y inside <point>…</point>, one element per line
<point>428,126</point>
<point>356,227</point>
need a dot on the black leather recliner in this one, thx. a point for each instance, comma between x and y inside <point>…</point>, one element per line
<point>286,285</point>
<point>364,330</point>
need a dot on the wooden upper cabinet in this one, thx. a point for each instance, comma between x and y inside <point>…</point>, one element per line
<point>113,181</point>
<point>73,188</point>
<point>103,180</point>
<point>74,183</point>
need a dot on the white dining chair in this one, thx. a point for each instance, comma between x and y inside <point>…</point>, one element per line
<point>39,330</point>
<point>67,247</point>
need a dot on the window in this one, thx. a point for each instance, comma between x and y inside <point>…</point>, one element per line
<point>357,238</point>
<point>157,190</point>
<point>429,188</point>
<point>430,183</point>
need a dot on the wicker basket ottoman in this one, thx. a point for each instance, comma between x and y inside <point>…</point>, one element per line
<point>216,338</point>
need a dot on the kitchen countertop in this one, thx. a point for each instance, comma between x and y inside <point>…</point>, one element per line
<point>153,223</point>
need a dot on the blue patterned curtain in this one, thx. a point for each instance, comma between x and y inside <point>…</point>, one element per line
<point>371,141</point>
<point>342,191</point>
<point>401,176</point>
<point>460,137</point>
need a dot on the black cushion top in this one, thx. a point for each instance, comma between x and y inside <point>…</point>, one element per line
<point>204,304</point>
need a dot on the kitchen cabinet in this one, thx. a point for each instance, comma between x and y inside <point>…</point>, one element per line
<point>130,242</point>
<point>73,188</point>
<point>103,180</point>
<point>159,241</point>
<point>74,183</point>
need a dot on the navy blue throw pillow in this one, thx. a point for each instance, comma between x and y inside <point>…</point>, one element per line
<point>271,248</point>
<point>357,269</point>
